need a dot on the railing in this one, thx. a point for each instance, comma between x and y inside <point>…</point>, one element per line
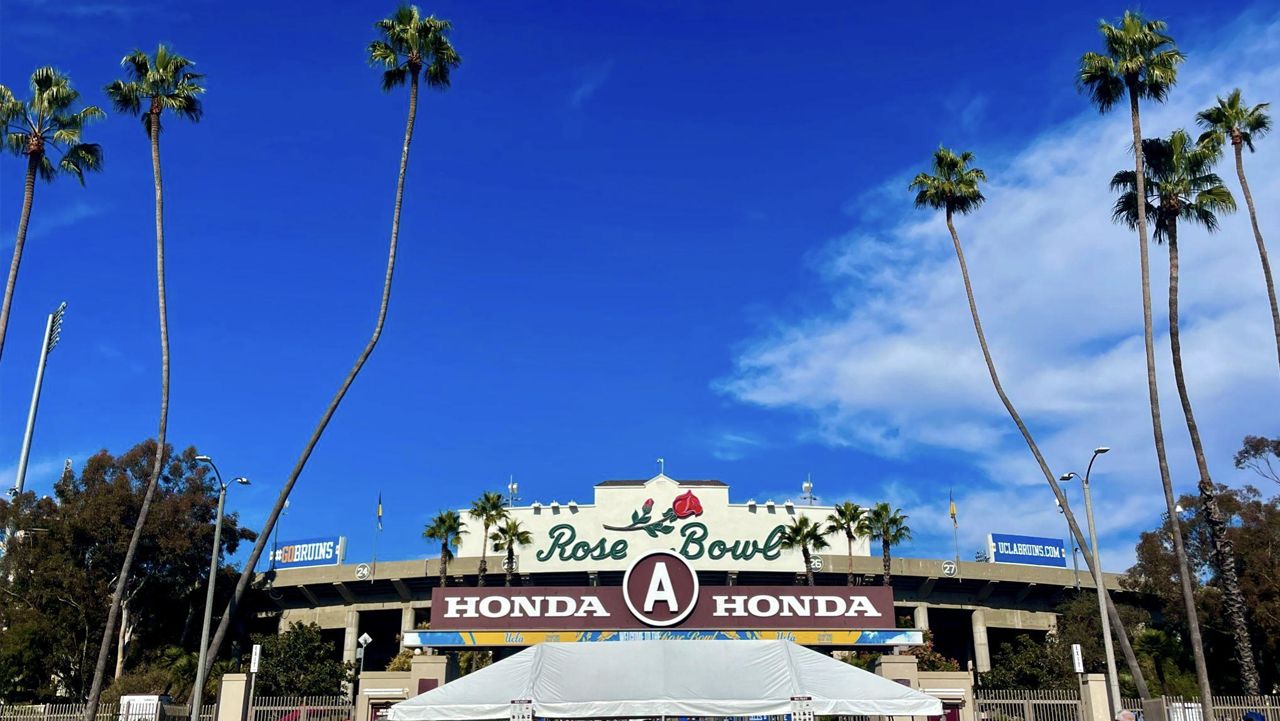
<point>301,708</point>
<point>142,711</point>
<point>1028,705</point>
<point>1225,708</point>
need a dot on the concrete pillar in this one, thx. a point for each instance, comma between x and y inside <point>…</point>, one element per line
<point>1093,697</point>
<point>233,697</point>
<point>349,642</point>
<point>981,649</point>
<point>901,669</point>
<point>408,619</point>
<point>428,672</point>
<point>922,617</point>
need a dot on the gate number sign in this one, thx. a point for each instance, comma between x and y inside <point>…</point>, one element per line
<point>253,660</point>
<point>1077,657</point>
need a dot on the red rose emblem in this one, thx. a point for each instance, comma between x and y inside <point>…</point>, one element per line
<point>648,505</point>
<point>686,504</point>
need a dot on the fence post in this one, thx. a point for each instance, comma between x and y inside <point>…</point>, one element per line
<point>233,698</point>
<point>1094,705</point>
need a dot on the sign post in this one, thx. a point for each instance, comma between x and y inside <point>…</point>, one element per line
<point>254,659</point>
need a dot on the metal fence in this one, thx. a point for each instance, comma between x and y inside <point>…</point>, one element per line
<point>1028,705</point>
<point>300,708</point>
<point>140,711</point>
<point>1225,708</point>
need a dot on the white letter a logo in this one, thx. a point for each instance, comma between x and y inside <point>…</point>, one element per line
<point>660,590</point>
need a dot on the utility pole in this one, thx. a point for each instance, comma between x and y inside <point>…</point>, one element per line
<point>51,330</point>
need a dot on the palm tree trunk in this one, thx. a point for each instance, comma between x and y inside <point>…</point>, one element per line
<point>1232,597</point>
<point>511,563</point>
<point>1257,236</point>
<point>28,196</point>
<point>1157,428</point>
<point>444,567</point>
<point>247,574</point>
<point>808,569</point>
<point>849,558</point>
<point>104,651</point>
<point>1116,623</point>
<point>884,546</point>
<point>484,550</point>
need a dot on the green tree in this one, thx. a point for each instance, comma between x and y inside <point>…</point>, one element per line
<point>850,519</point>
<point>423,43</point>
<point>299,662</point>
<point>446,528</point>
<point>1234,119</point>
<point>47,121</point>
<point>1260,455</point>
<point>163,82</point>
<point>804,534</point>
<point>1140,62</point>
<point>1181,185</point>
<point>953,187</point>
<point>488,510</point>
<point>1028,663</point>
<point>71,545</point>
<point>507,538</point>
<point>888,526</point>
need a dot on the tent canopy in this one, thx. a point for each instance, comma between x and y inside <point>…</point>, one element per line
<point>666,678</point>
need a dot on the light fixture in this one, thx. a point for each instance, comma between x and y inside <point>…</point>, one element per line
<point>1101,449</point>
<point>242,481</point>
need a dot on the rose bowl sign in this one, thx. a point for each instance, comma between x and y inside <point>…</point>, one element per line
<point>661,590</point>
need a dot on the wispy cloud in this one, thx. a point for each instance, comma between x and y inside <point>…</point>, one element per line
<point>592,78</point>
<point>729,446</point>
<point>49,220</point>
<point>893,367</point>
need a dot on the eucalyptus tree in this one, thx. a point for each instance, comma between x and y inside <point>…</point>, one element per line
<point>446,528</point>
<point>155,84</point>
<point>418,46</point>
<point>47,121</point>
<point>953,187</point>
<point>888,525</point>
<point>1181,186</point>
<point>807,536</point>
<point>507,537</point>
<point>1139,62</point>
<point>488,510</point>
<point>849,519</point>
<point>1233,119</point>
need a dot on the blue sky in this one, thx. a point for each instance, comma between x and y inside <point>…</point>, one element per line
<point>632,230</point>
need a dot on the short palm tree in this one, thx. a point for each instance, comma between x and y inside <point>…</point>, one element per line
<point>506,538</point>
<point>1139,62</point>
<point>1232,119</point>
<point>488,510</point>
<point>850,519</point>
<point>888,526</point>
<point>48,121</point>
<point>155,85</point>
<point>422,43</point>
<point>1181,186</point>
<point>952,187</point>
<point>446,528</point>
<point>807,536</point>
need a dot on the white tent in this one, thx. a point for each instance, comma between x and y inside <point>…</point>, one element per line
<point>666,678</point>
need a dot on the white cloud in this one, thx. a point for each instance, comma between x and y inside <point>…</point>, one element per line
<point>591,80</point>
<point>894,365</point>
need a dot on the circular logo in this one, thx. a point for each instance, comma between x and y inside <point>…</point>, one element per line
<point>815,563</point>
<point>363,572</point>
<point>660,588</point>
<point>510,564</point>
<point>949,569</point>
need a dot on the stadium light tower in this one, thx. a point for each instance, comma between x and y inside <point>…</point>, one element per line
<point>52,328</point>
<point>197,692</point>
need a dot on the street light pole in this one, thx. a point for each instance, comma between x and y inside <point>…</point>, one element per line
<point>1113,680</point>
<point>52,328</point>
<point>197,693</point>
<point>1075,548</point>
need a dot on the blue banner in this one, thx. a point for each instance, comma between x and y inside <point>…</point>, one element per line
<point>1027,550</point>
<point>310,552</point>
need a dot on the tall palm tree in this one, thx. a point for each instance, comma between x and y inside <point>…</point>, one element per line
<point>155,84</point>
<point>850,519</point>
<point>805,535</point>
<point>48,120</point>
<point>507,538</point>
<point>489,509</point>
<point>433,53</point>
<point>1232,119</point>
<point>1140,62</point>
<point>953,188</point>
<point>446,528</point>
<point>888,525</point>
<point>1181,185</point>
